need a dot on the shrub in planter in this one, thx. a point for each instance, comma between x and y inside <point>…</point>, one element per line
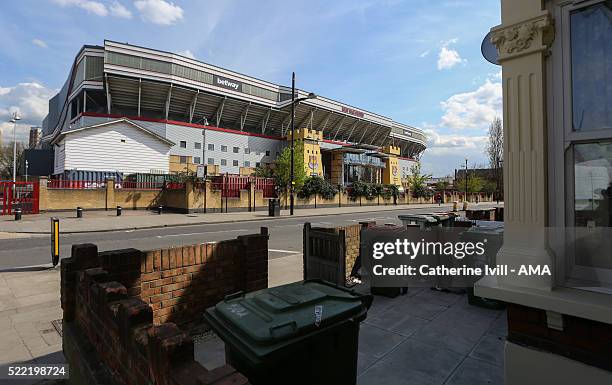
<point>317,185</point>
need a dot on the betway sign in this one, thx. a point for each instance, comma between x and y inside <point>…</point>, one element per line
<point>353,112</point>
<point>230,84</point>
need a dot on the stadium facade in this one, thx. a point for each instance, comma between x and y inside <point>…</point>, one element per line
<point>129,109</point>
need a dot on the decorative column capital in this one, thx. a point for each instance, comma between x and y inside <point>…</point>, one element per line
<point>523,38</point>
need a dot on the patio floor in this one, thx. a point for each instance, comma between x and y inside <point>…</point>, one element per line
<point>423,337</point>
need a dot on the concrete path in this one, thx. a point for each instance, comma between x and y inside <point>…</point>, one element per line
<point>97,221</point>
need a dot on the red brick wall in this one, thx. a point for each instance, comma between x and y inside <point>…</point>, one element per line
<point>180,283</point>
<point>126,304</point>
<point>583,340</point>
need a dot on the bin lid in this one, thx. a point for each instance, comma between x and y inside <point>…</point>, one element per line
<point>417,217</point>
<point>272,315</point>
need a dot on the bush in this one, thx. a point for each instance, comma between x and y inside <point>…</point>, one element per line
<point>317,185</point>
<point>372,190</point>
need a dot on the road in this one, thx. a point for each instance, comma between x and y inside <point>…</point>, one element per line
<point>285,236</point>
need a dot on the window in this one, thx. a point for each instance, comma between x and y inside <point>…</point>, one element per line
<point>211,161</point>
<point>211,147</point>
<point>247,163</point>
<point>197,160</point>
<point>236,150</point>
<point>197,146</point>
<point>257,164</point>
<point>580,127</point>
<point>247,150</point>
<point>223,162</point>
<point>183,159</point>
<point>235,163</point>
<point>223,148</point>
<point>267,152</point>
<point>183,144</point>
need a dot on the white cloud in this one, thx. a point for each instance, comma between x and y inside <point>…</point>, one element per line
<point>474,109</point>
<point>448,57</point>
<point>39,43</point>
<point>187,53</point>
<point>424,54</point>
<point>91,6</point>
<point>30,100</point>
<point>159,12</point>
<point>98,8</point>
<point>117,9</point>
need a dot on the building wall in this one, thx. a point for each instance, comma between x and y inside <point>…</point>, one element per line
<point>59,157</point>
<point>391,172</point>
<point>121,147</point>
<point>405,165</point>
<point>251,150</point>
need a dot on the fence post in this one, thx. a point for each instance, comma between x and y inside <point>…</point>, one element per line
<point>43,193</point>
<point>110,193</point>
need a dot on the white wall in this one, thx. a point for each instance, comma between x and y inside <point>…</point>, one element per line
<point>404,166</point>
<point>59,158</point>
<point>115,147</point>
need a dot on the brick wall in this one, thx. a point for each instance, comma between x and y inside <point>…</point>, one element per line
<point>581,339</point>
<point>121,308</point>
<point>180,283</point>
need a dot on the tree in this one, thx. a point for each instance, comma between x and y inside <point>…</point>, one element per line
<point>416,182</point>
<point>443,185</point>
<point>495,151</point>
<point>474,184</point>
<point>6,161</point>
<point>283,167</point>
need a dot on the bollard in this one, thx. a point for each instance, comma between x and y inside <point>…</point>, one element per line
<point>119,211</point>
<point>18,214</point>
<point>79,212</point>
<point>55,241</point>
<point>159,210</point>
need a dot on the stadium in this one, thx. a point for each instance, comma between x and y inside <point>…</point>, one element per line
<point>130,109</point>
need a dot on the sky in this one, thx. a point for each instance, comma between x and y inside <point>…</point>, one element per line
<point>415,61</point>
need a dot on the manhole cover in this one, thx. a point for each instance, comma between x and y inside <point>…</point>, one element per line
<point>57,325</point>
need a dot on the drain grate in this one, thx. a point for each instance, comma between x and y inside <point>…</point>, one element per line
<point>57,325</point>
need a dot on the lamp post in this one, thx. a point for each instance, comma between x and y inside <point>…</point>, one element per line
<point>466,179</point>
<point>14,120</point>
<point>293,102</point>
<point>26,170</point>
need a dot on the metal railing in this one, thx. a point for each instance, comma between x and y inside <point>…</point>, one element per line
<point>231,185</point>
<point>76,184</point>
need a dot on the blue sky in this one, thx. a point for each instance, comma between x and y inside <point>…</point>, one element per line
<point>415,61</point>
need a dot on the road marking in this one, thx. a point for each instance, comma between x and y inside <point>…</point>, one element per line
<point>284,251</point>
<point>201,233</point>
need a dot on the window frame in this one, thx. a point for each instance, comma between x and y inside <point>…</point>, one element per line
<point>211,147</point>
<point>235,163</point>
<point>561,192</point>
<point>181,144</point>
<point>197,145</point>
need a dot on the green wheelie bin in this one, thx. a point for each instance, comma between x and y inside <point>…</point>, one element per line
<point>305,332</point>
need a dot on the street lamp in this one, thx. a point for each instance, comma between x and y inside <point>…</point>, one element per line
<point>14,120</point>
<point>293,102</point>
<point>466,179</point>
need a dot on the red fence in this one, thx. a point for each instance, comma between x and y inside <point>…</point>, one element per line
<point>76,184</point>
<point>230,185</point>
<point>22,195</point>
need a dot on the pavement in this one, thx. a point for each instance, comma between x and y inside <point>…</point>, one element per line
<point>98,221</point>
